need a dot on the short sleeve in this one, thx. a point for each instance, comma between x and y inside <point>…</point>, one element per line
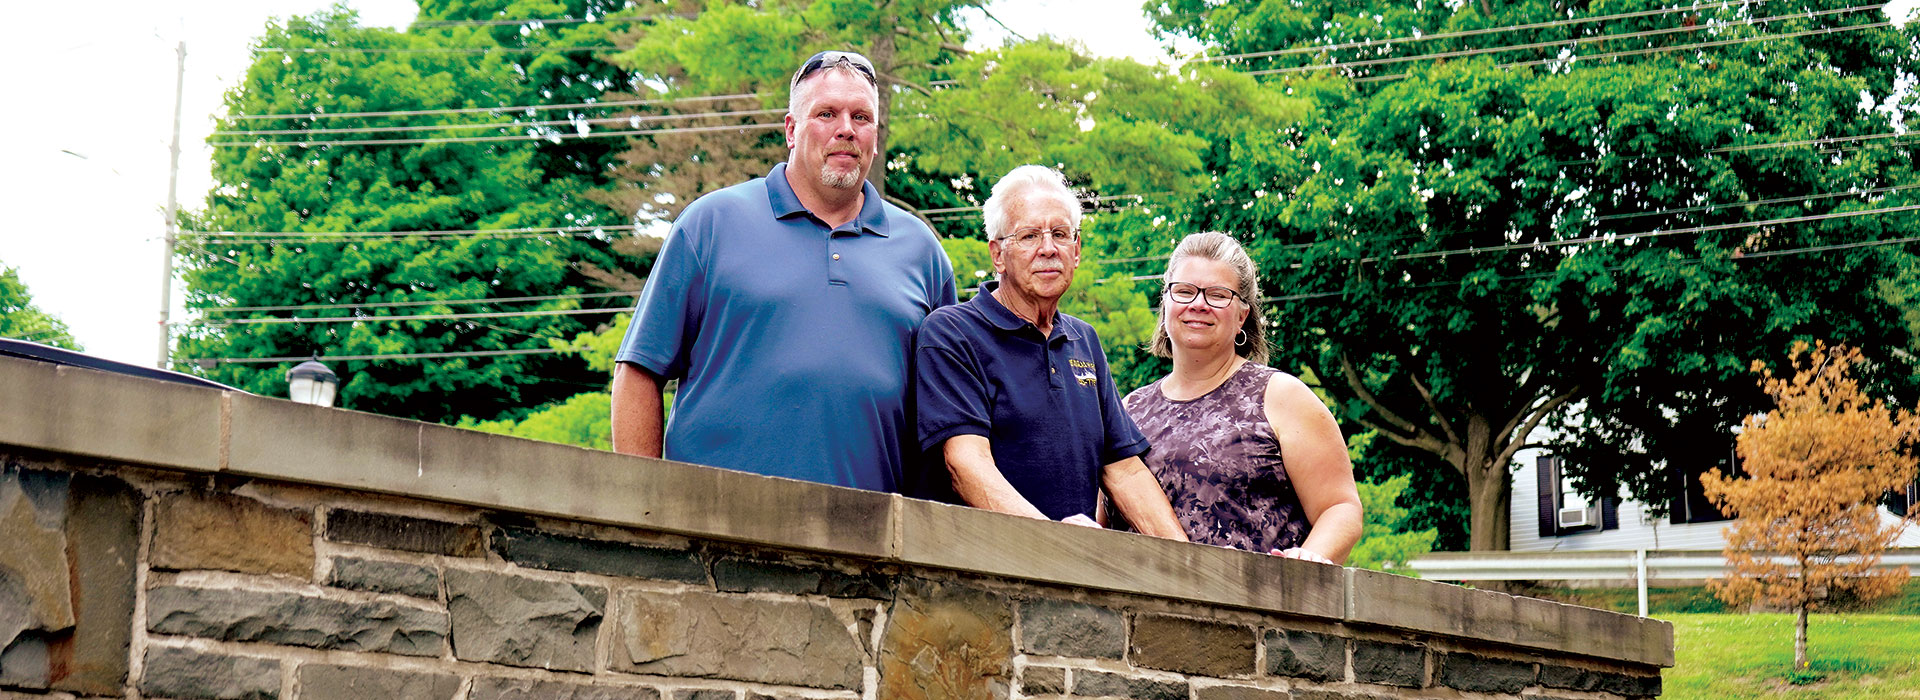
<point>950,392</point>
<point>1123,437</point>
<point>666,321</point>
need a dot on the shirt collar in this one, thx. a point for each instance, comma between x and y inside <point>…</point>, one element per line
<point>1005,319</point>
<point>873,214</point>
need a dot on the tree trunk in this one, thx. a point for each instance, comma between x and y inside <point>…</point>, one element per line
<point>1489,489</point>
<point>882,57</point>
<point>1800,638</point>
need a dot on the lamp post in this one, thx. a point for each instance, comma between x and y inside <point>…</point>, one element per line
<point>312,383</point>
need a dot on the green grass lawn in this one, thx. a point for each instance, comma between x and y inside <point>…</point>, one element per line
<point>1855,655</point>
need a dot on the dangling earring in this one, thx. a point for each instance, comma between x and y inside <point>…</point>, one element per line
<point>1240,338</point>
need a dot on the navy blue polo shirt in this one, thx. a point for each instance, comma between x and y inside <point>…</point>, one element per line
<point>790,338</point>
<point>1046,404</point>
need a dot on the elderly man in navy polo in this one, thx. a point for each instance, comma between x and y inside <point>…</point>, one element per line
<point>1014,394</point>
<point>786,307</point>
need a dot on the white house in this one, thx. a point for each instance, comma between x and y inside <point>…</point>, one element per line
<point>1548,515</point>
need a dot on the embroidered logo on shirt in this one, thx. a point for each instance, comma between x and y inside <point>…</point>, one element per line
<point>1083,372</point>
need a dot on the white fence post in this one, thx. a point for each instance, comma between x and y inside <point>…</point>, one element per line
<point>1640,558</point>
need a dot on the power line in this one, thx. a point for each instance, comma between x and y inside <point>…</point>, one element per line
<point>504,108</point>
<point>1559,42</point>
<point>424,302</point>
<point>1756,202</point>
<point>435,49</point>
<point>480,139</point>
<point>429,24</point>
<point>635,120</point>
<point>535,230</point>
<point>1644,234</point>
<point>1641,52</point>
<point>206,361</point>
<point>385,319</point>
<point>1474,32</point>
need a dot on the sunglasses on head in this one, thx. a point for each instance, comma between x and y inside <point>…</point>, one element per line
<point>827,59</point>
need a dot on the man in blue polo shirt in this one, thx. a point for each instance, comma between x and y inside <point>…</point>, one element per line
<point>1014,395</point>
<point>786,306</point>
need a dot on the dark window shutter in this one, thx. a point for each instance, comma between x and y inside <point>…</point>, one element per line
<point>1547,470</point>
<point>1678,505</point>
<point>1609,513</point>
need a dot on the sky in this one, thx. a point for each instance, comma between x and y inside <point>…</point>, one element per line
<point>85,176</point>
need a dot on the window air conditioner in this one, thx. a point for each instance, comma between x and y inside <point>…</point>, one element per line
<point>1576,517</point>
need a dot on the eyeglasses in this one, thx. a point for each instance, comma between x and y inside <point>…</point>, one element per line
<point>1031,237</point>
<point>1217,297</point>
<point>827,59</point>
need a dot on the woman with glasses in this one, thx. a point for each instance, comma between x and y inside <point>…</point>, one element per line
<point>1248,455</point>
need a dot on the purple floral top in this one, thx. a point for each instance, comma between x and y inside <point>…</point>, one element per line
<point>1220,464</point>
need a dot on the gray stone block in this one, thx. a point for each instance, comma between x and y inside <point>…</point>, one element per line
<point>540,550</point>
<point>358,682</point>
<point>1064,628</point>
<point>36,593</point>
<point>190,675</point>
<point>296,620</point>
<point>520,621</point>
<point>523,689</point>
<point>103,525</point>
<point>111,416</point>
<point>1043,680</point>
<point>946,640</point>
<point>871,585</point>
<point>1192,646</point>
<point>705,694</point>
<point>1323,694</point>
<point>202,530</point>
<point>1574,678</point>
<point>1099,684</point>
<point>404,533</point>
<point>377,576</point>
<point>1386,663</point>
<point>1238,692</point>
<point>706,635</point>
<point>737,575</point>
<point>27,662</point>
<point>1483,675</point>
<point>1310,655</point>
<point>1427,606</point>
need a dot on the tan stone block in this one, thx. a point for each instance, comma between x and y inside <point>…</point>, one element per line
<point>201,530</point>
<point>33,556</point>
<point>945,640</point>
<point>969,539</point>
<point>100,414</point>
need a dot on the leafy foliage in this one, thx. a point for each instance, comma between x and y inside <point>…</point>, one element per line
<point>1386,543</point>
<point>1807,527</point>
<point>21,320</point>
<point>1470,250</point>
<point>273,186</point>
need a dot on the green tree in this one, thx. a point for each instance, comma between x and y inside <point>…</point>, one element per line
<point>1470,249</point>
<point>21,320</point>
<point>1386,541</point>
<point>283,180</point>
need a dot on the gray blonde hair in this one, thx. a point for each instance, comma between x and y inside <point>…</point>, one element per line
<point>798,94</point>
<point>1018,180</point>
<point>1220,248</point>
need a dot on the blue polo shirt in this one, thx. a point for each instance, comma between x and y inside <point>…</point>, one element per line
<point>790,338</point>
<point>1047,405</point>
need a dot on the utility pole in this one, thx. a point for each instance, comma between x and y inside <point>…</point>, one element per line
<point>173,207</point>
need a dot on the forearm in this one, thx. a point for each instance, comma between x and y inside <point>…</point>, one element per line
<point>637,411</point>
<point>1335,533</point>
<point>1139,497</point>
<point>979,481</point>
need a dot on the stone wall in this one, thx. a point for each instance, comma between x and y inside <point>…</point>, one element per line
<point>160,541</point>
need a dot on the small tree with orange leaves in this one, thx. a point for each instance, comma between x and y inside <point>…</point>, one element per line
<point>1806,526</point>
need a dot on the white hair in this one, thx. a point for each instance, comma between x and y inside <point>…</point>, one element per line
<point>1048,181</point>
